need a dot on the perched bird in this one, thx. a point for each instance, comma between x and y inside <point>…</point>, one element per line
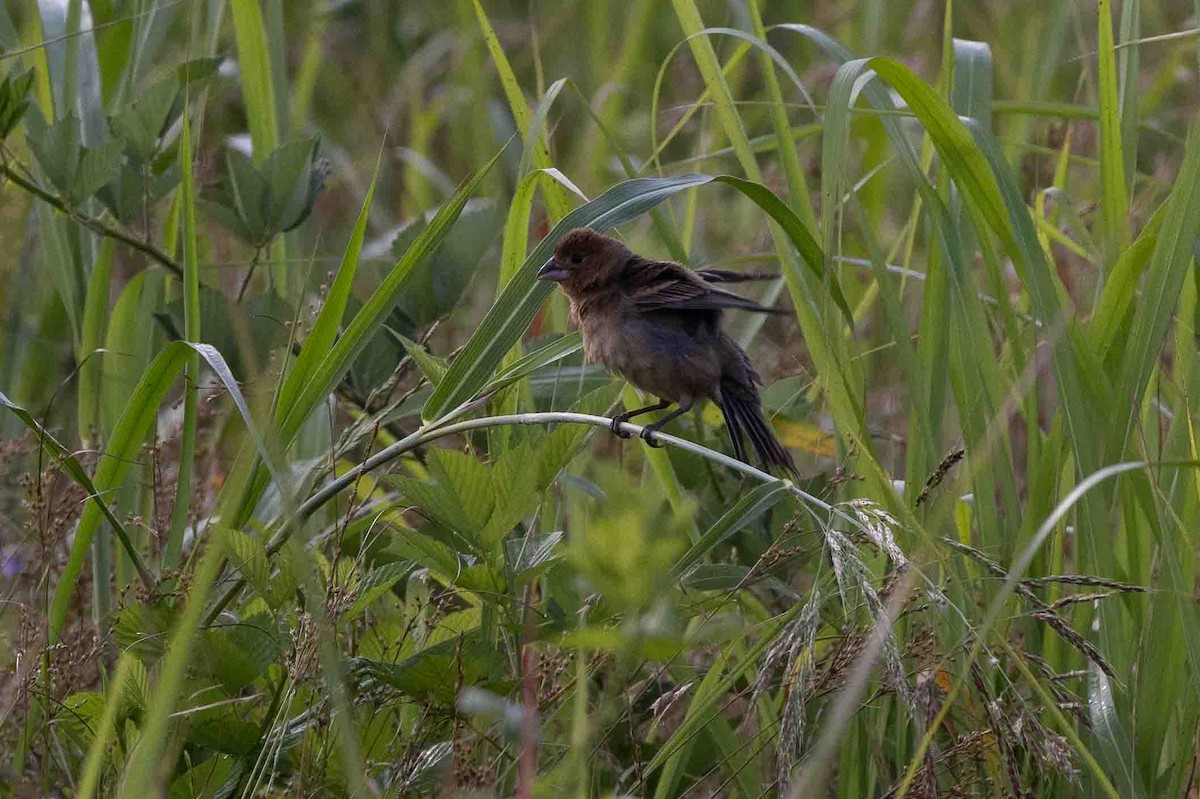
<point>658,325</point>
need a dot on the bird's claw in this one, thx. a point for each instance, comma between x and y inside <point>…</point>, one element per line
<point>647,435</point>
<point>617,430</point>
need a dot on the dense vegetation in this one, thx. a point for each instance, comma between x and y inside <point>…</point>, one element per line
<point>306,489</point>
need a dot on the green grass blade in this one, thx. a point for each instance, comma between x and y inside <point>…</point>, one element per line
<point>556,199</point>
<point>122,450</point>
<point>752,505</point>
<point>1114,206</point>
<point>320,340</point>
<point>539,359</point>
<point>254,58</point>
<point>1127,67</point>
<point>191,332</point>
<point>1169,266</point>
<point>375,310</point>
<point>95,320</point>
<point>142,774</point>
<point>90,780</point>
<point>798,195</point>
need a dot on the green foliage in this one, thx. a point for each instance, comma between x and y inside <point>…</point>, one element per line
<point>256,205</point>
<point>361,529</point>
<point>14,101</point>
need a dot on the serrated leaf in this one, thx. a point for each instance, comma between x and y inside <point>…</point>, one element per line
<point>142,628</point>
<point>431,366</point>
<point>141,124</point>
<point>471,660</point>
<point>249,556</point>
<point>437,503</point>
<point>57,148</point>
<point>427,552</point>
<point>226,216</point>
<point>98,166</point>
<point>375,584</point>
<point>14,101</point>
<point>285,582</point>
<point>515,495</point>
<point>236,655</point>
<point>470,482</point>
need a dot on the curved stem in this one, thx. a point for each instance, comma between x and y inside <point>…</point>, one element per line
<point>91,223</point>
<point>438,430</point>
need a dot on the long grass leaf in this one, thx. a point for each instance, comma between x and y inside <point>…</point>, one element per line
<point>254,58</point>
<point>556,198</point>
<point>1169,266</point>
<point>191,332</point>
<point>1114,207</point>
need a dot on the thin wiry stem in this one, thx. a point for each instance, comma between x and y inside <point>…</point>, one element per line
<point>439,429</point>
<point>91,223</point>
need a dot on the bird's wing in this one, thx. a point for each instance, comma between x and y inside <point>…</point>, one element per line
<point>665,285</point>
<point>730,276</point>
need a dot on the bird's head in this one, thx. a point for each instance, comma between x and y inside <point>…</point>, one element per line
<point>583,260</point>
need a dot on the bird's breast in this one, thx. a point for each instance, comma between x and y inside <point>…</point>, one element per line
<point>660,354</point>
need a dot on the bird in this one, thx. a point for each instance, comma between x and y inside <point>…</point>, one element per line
<point>657,324</point>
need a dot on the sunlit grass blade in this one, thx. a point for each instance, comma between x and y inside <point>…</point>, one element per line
<point>142,774</point>
<point>105,732</point>
<point>556,198</point>
<point>1114,205</point>
<point>254,58</point>
<point>123,449</point>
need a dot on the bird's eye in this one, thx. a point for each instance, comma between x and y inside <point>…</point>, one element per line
<point>576,258</point>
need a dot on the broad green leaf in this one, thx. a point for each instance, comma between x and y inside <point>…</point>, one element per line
<point>373,585</point>
<point>98,166</point>
<point>141,124</point>
<point>473,661</point>
<point>14,101</point>
<point>249,556</point>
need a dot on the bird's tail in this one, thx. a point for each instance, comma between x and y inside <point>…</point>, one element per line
<point>742,408</point>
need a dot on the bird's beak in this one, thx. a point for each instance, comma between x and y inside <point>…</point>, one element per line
<point>551,270</point>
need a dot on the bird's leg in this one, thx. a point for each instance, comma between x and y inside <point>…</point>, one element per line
<point>621,418</point>
<point>651,429</point>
